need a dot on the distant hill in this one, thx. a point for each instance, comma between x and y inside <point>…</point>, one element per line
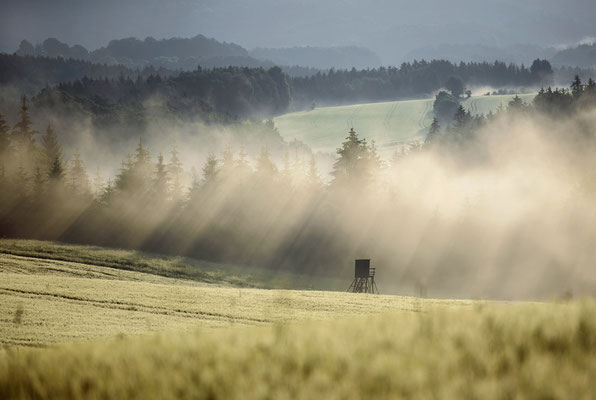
<point>580,56</point>
<point>174,53</point>
<point>30,74</point>
<point>345,57</point>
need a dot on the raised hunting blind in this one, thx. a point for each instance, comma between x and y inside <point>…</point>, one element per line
<point>364,278</point>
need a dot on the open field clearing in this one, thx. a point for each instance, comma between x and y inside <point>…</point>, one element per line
<point>524,351</point>
<point>390,124</point>
<point>44,301</point>
<point>187,269</point>
<point>115,333</point>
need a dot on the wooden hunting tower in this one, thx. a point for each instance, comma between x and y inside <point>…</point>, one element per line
<point>364,278</point>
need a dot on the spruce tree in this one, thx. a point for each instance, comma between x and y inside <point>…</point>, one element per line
<point>195,186</point>
<point>227,164</point>
<point>210,171</point>
<point>98,184</point>
<point>4,139</point>
<point>51,148</point>
<point>461,120</point>
<point>141,172</point>
<point>78,178</point>
<point>576,87</point>
<point>175,171</point>
<point>23,135</point>
<point>56,172</point>
<point>434,132</point>
<point>125,175</point>
<point>160,181</point>
<point>265,167</point>
<point>354,163</point>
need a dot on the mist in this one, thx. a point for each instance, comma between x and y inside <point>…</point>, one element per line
<point>509,215</point>
<point>390,29</point>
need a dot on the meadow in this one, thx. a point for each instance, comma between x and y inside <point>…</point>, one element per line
<point>390,124</point>
<point>46,299</point>
<point>117,332</point>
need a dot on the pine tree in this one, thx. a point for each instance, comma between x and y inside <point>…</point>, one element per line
<point>38,185</point>
<point>23,135</point>
<point>51,148</point>
<point>98,185</point>
<point>461,120</point>
<point>210,171</point>
<point>4,139</point>
<point>124,178</point>
<point>227,164</point>
<point>265,167</point>
<point>160,181</point>
<point>136,172</point>
<point>516,104</point>
<point>373,160</point>
<point>354,163</point>
<point>108,193</point>
<point>195,186</point>
<point>78,178</point>
<point>56,172</point>
<point>242,166</point>
<point>576,87</point>
<point>434,132</point>
<point>175,171</point>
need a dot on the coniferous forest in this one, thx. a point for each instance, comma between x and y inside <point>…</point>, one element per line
<point>249,210</point>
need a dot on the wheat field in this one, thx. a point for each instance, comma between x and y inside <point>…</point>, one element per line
<point>79,330</point>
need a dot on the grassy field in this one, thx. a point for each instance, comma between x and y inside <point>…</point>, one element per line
<point>390,124</point>
<point>168,266</point>
<point>116,332</point>
<point>493,352</point>
<point>45,299</point>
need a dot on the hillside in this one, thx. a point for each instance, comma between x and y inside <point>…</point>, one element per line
<point>52,293</point>
<point>581,56</point>
<point>159,337</point>
<point>390,124</point>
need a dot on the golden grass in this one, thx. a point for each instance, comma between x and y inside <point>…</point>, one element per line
<point>515,351</point>
<point>167,266</point>
<point>114,333</point>
<point>60,301</point>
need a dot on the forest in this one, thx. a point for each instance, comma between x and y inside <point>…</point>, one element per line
<point>251,211</point>
<point>242,92</point>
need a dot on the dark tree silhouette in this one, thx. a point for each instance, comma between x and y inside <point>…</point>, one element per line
<point>357,162</point>
<point>23,133</point>
<point>434,132</point>
<point>455,85</point>
<point>51,148</point>
<point>210,171</point>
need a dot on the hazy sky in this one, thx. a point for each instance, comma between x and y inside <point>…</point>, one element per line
<point>388,27</point>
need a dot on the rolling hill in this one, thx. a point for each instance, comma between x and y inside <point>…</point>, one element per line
<point>52,293</point>
<point>390,124</point>
<point>109,330</point>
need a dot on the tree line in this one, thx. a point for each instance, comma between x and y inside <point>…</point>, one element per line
<point>231,210</point>
<point>461,127</point>
<point>244,92</point>
<point>236,209</point>
<point>221,94</point>
<point>412,80</point>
